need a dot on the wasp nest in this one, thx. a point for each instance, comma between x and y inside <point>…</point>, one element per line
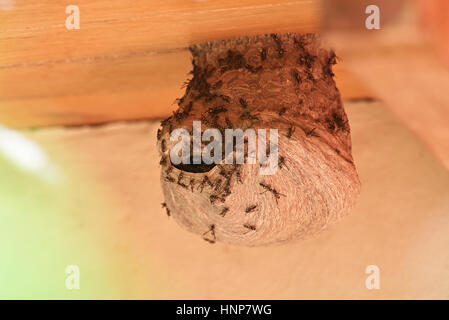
<point>277,81</point>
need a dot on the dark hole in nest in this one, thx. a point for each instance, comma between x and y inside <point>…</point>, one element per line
<point>194,168</point>
<point>203,167</point>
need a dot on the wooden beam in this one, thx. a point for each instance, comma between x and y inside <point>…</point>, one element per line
<point>128,87</point>
<point>125,62</point>
<point>35,31</point>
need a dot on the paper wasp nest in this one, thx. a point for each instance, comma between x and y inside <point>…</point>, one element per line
<point>277,81</point>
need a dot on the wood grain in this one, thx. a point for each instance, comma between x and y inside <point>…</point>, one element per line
<point>126,62</point>
<point>109,27</point>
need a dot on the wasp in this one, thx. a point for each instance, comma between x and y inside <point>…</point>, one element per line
<point>181,175</point>
<point>327,69</point>
<point>330,124</point>
<point>263,54</point>
<point>216,110</point>
<point>281,162</point>
<point>225,98</point>
<point>163,161</point>
<point>224,211</point>
<point>217,184</point>
<point>295,76</point>
<point>290,132</point>
<point>228,123</point>
<point>282,111</point>
<point>252,69</point>
<point>281,51</point>
<point>164,205</point>
<point>222,171</point>
<point>250,227</point>
<point>311,133</point>
<point>213,198</point>
<point>192,183</point>
<point>239,178</point>
<point>309,76</point>
<point>186,83</point>
<point>332,58</point>
<point>248,116</point>
<point>243,103</point>
<point>227,191</point>
<point>227,187</point>
<point>306,60</point>
<point>166,121</point>
<point>212,233</point>
<point>236,170</point>
<point>159,134</point>
<point>275,193</point>
<point>205,180</point>
<point>251,208</point>
<point>224,69</point>
<point>339,120</point>
<point>299,44</point>
<point>209,97</point>
<point>170,179</point>
<point>207,122</point>
<point>179,116</point>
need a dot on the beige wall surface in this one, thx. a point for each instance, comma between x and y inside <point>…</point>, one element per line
<point>400,223</point>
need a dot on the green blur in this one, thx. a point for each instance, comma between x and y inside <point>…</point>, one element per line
<point>40,236</point>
